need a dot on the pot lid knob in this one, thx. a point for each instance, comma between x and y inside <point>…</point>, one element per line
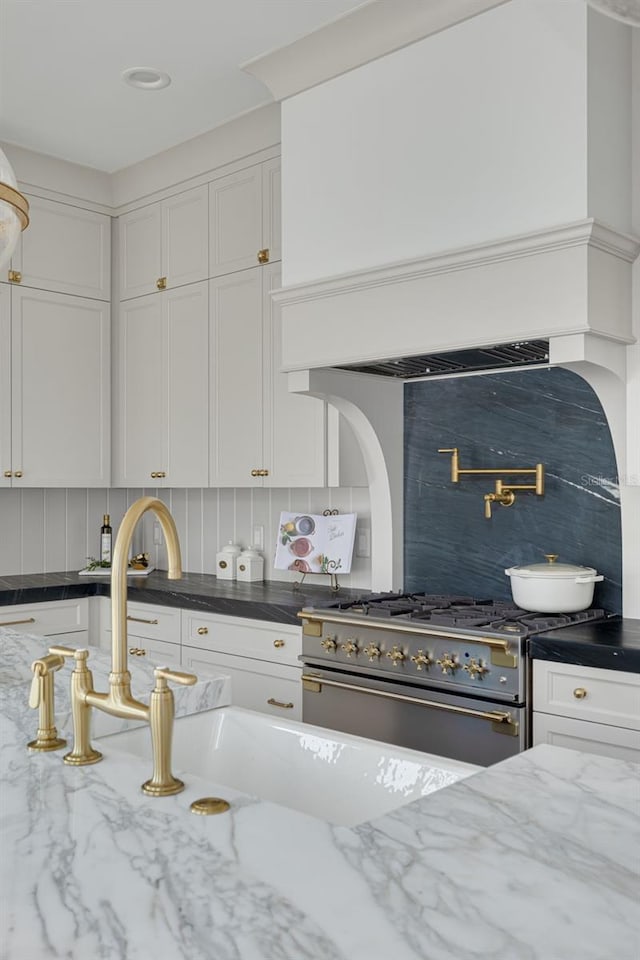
<point>551,557</point>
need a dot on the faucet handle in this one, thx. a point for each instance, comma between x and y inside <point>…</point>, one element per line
<point>176,676</point>
<point>80,653</point>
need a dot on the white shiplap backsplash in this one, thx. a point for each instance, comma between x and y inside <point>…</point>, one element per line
<point>42,531</point>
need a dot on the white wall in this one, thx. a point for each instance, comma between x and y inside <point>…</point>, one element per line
<point>44,531</point>
<point>473,134</point>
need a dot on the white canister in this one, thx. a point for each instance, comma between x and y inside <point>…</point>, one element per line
<point>226,561</point>
<point>250,566</point>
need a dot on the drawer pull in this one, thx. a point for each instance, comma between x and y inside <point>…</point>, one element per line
<point>279,703</point>
<point>14,623</point>
<point>142,620</point>
<point>579,693</point>
<point>137,652</point>
<point>203,631</point>
<point>278,643</point>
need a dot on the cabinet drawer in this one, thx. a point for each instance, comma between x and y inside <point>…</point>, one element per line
<point>158,652</point>
<point>46,619</point>
<point>600,738</point>
<point>278,643</point>
<point>587,693</point>
<point>255,684</point>
<point>150,622</point>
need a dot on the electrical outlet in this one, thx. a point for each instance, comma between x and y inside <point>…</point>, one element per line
<point>157,533</point>
<point>363,544</point>
<point>258,536</point>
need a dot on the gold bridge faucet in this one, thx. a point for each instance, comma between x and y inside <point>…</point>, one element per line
<point>119,702</point>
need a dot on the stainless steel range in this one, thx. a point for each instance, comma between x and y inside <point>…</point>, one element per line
<point>446,675</point>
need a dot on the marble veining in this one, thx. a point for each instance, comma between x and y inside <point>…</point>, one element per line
<point>535,858</point>
<point>514,419</point>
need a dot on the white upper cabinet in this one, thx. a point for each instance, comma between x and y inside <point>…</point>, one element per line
<point>65,249</point>
<point>60,390</point>
<point>164,244</point>
<point>161,390</point>
<point>261,435</point>
<point>244,219</point>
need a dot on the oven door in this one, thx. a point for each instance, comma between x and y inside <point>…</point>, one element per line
<point>463,728</point>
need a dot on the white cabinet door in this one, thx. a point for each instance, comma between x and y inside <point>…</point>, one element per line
<point>140,234</point>
<point>235,344</point>
<point>138,393</point>
<point>185,232</point>
<point>294,427</point>
<point>245,219</point>
<point>162,420</point>
<point>255,684</point>
<point>66,249</point>
<point>164,244</point>
<point>61,380</point>
<point>599,738</point>
<point>5,386</point>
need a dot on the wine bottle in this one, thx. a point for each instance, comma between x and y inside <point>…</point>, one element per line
<point>105,539</point>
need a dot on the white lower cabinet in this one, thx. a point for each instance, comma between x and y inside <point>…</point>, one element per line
<point>153,632</point>
<point>260,657</point>
<point>587,708</point>
<point>66,621</point>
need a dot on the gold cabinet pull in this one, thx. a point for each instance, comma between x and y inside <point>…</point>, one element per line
<point>278,643</point>
<point>16,277</point>
<point>8,473</point>
<point>255,473</point>
<point>161,474</point>
<point>141,620</point>
<point>18,473</point>
<point>579,693</point>
<point>279,703</point>
<point>137,652</point>
<point>161,283</point>
<point>14,623</point>
<point>263,255</point>
<point>203,631</point>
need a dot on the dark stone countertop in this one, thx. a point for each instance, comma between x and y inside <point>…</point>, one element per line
<point>275,601</point>
<point>612,644</point>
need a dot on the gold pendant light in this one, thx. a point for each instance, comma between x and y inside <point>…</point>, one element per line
<point>14,211</point>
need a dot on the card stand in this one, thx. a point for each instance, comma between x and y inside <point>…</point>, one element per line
<point>334,586</point>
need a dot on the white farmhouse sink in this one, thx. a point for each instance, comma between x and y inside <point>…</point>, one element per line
<point>335,776</point>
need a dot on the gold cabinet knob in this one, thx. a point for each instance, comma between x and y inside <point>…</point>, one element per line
<point>263,255</point>
<point>161,283</point>
<point>18,473</point>
<point>255,473</point>
<point>278,644</point>
<point>372,651</point>
<point>396,655</point>
<point>137,652</point>
<point>16,277</point>
<point>422,660</point>
<point>8,473</point>
<point>203,631</point>
<point>579,693</point>
<point>161,474</point>
<point>329,645</point>
<point>264,473</point>
<point>349,647</point>
<point>475,669</point>
<point>154,475</point>
<point>448,663</point>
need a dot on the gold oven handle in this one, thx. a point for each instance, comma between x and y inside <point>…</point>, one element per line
<point>500,718</point>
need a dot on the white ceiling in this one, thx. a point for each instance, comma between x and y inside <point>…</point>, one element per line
<point>61,62</point>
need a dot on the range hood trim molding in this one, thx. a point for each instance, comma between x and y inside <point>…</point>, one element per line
<point>530,287</point>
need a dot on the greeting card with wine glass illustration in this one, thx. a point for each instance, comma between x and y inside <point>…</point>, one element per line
<point>309,543</point>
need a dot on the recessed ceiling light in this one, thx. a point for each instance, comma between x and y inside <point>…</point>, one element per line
<point>146,78</point>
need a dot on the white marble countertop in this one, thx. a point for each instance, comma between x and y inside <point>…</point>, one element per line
<point>535,858</point>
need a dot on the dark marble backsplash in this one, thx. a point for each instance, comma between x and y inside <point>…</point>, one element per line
<point>509,420</point>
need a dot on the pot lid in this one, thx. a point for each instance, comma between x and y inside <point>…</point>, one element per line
<point>551,570</point>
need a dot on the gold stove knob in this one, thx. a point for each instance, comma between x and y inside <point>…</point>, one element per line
<point>329,645</point>
<point>349,647</point>
<point>396,655</point>
<point>372,651</point>
<point>475,669</point>
<point>448,663</point>
<point>422,660</point>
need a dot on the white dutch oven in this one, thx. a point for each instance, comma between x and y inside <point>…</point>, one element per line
<point>553,587</point>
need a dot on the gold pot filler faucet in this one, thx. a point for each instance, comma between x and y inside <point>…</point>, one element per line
<point>119,702</point>
<point>504,492</point>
